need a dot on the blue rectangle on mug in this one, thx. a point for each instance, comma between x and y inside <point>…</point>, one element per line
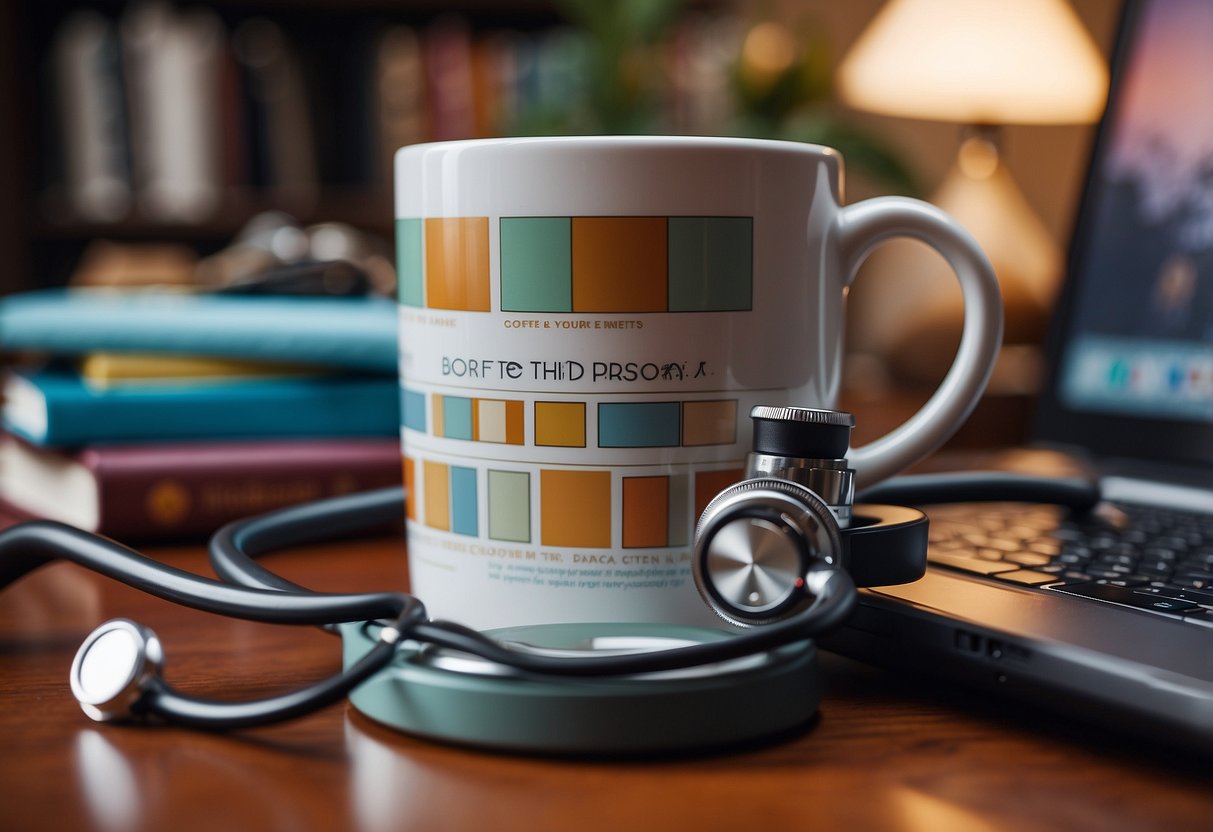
<point>464,507</point>
<point>412,409</point>
<point>639,424</point>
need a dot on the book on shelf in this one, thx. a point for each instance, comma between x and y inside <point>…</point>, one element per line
<point>54,407</point>
<point>86,60</point>
<point>101,370</point>
<point>450,86</point>
<point>357,333</point>
<point>177,491</point>
<point>400,116</point>
<point>281,137</point>
<point>174,69</point>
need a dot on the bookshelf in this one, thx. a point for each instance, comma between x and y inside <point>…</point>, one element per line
<point>177,121</point>
<point>46,223</point>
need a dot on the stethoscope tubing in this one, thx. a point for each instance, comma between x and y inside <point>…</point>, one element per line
<point>234,548</point>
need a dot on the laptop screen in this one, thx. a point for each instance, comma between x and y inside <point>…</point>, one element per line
<point>1133,346</point>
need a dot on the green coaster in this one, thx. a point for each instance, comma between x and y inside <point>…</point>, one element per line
<point>452,697</point>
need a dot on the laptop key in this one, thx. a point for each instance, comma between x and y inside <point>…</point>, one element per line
<point>1028,558</point>
<point>1200,616</point>
<point>1026,577</point>
<point>1127,580</point>
<point>1128,597</point>
<point>1190,583</point>
<point>1196,596</point>
<point>980,567</point>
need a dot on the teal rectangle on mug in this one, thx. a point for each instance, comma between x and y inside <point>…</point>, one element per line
<point>639,424</point>
<point>410,263</point>
<point>412,409</point>
<point>536,264</point>
<point>711,264</point>
<point>464,505</point>
<point>457,417</point>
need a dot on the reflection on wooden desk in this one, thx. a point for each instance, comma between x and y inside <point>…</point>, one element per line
<point>886,753</point>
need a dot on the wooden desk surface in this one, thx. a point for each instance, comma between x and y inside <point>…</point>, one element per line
<point>887,753</point>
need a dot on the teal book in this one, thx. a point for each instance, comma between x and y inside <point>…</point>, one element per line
<point>355,333</point>
<point>53,407</point>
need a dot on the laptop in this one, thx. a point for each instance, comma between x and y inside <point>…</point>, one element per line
<point>1107,616</point>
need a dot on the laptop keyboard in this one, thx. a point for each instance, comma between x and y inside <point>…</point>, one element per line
<point>1146,558</point>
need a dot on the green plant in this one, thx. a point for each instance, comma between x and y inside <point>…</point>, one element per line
<point>781,84</point>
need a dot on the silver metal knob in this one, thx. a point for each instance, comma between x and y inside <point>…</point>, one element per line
<point>755,543</point>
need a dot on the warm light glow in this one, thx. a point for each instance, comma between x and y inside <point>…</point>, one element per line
<point>978,157</point>
<point>767,52</point>
<point>977,62</point>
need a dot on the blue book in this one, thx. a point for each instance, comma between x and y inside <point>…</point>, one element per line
<point>356,333</point>
<point>53,407</point>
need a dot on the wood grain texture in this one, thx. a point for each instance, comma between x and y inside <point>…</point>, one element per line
<point>886,753</point>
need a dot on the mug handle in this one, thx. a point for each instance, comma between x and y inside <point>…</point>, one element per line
<point>861,228</point>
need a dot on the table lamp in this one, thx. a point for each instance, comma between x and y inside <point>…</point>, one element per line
<point>983,64</point>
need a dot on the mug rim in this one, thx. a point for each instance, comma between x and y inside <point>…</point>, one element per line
<point>647,142</point>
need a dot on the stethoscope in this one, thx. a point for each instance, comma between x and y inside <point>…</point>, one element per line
<point>778,556</point>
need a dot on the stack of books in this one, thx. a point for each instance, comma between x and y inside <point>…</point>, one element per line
<point>153,416</point>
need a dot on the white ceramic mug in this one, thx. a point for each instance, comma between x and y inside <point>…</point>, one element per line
<point>585,324</point>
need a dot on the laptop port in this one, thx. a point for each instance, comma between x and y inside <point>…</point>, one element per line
<point>968,642</point>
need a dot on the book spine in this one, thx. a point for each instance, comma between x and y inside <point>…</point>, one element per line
<point>283,408</point>
<point>174,60</point>
<point>284,154</point>
<point>450,86</point>
<point>333,332</point>
<point>89,81</point>
<point>153,504</point>
<point>401,98</point>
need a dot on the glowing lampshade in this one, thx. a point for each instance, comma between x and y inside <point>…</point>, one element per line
<point>976,62</point>
<point>983,64</point>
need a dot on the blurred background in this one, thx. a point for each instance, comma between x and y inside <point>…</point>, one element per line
<point>138,137</point>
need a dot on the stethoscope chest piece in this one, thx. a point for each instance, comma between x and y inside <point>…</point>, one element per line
<point>454,697</point>
<point>113,668</point>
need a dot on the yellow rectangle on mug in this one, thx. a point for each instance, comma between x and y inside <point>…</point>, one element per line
<point>560,424</point>
<point>438,405</point>
<point>575,508</point>
<point>457,263</point>
<point>709,422</point>
<point>436,485</point>
<point>620,264</point>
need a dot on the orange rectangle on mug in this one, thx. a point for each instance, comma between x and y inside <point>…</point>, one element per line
<point>410,492</point>
<point>646,512</point>
<point>575,508</point>
<point>457,263</point>
<point>620,264</point>
<point>710,483</point>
